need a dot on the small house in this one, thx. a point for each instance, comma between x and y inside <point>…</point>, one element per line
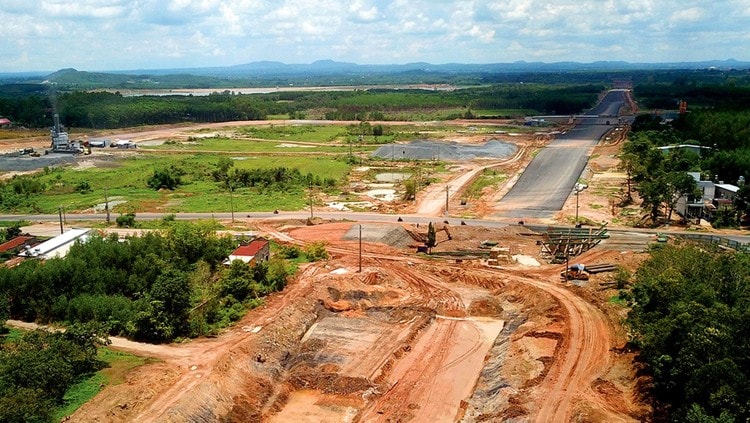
<point>726,191</point>
<point>257,251</point>
<point>5,122</point>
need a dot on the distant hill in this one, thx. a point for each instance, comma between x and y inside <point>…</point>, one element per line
<point>329,72</point>
<point>332,67</point>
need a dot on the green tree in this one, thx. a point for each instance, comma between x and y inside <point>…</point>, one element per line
<point>410,190</point>
<point>689,309</point>
<point>126,220</point>
<point>742,201</point>
<point>316,251</point>
<point>164,178</point>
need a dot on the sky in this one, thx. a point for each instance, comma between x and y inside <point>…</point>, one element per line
<point>97,35</point>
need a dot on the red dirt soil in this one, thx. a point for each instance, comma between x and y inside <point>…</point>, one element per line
<point>408,339</point>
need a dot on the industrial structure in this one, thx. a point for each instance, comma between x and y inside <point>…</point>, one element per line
<point>60,141</point>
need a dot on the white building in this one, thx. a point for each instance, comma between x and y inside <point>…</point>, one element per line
<point>57,246</point>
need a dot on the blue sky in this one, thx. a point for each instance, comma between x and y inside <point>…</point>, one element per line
<point>41,35</point>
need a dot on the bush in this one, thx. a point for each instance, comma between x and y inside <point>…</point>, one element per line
<point>289,251</point>
<point>83,187</point>
<point>126,220</point>
<point>163,178</point>
<point>316,251</point>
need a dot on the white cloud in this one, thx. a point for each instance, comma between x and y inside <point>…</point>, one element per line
<point>361,12</point>
<point>693,14</point>
<point>83,9</point>
<point>126,34</point>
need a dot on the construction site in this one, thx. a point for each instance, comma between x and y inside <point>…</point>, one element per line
<point>380,333</point>
<point>517,320</point>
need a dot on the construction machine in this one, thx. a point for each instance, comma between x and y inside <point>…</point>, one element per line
<point>575,272</point>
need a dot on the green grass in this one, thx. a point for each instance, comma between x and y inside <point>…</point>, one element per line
<point>127,180</point>
<point>119,364</point>
<point>308,133</point>
<point>615,299</point>
<point>488,178</point>
<point>504,112</point>
<point>9,223</point>
<point>255,146</point>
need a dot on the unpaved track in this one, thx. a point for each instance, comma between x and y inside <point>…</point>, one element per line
<point>425,383</point>
<point>432,202</point>
<point>583,357</point>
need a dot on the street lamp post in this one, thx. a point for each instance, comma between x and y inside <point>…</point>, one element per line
<point>577,189</point>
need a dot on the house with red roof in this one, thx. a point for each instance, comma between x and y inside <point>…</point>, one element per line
<point>257,251</point>
<point>17,243</point>
<point>5,122</point>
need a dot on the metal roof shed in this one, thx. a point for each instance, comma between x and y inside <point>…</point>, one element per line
<point>57,246</point>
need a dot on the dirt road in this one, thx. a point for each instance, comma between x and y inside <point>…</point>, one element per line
<point>432,201</point>
<point>407,339</point>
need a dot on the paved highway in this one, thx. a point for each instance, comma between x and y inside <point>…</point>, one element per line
<point>549,179</point>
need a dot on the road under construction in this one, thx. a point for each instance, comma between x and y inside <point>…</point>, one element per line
<point>378,333</point>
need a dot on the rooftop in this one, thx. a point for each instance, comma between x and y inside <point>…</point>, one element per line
<point>15,242</point>
<point>55,243</point>
<point>251,249</point>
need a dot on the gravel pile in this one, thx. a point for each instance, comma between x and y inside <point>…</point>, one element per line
<point>393,235</point>
<point>430,150</point>
<point>16,163</point>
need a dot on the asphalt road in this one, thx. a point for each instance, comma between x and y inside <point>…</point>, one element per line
<point>550,177</point>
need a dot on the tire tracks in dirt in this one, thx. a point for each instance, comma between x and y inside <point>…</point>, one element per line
<point>583,357</point>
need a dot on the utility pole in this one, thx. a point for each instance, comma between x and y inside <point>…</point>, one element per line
<point>59,212</point>
<point>446,200</point>
<point>106,205</point>
<point>311,200</point>
<point>577,188</point>
<point>360,248</point>
<point>231,201</point>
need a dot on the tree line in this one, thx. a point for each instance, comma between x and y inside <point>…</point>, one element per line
<point>690,319</point>
<point>107,110</point>
<point>154,287</point>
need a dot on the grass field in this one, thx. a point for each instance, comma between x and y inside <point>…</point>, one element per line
<point>126,180</point>
<point>258,146</point>
<point>488,177</point>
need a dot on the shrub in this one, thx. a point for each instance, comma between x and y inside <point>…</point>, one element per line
<point>126,220</point>
<point>316,251</point>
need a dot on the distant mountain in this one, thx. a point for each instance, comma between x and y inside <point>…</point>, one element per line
<point>329,72</point>
<point>328,67</point>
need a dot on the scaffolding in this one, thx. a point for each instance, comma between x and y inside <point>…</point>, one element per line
<point>559,244</point>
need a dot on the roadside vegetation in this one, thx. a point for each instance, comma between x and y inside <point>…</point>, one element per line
<point>718,122</point>
<point>690,319</point>
<point>39,367</point>
<point>155,287</point>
